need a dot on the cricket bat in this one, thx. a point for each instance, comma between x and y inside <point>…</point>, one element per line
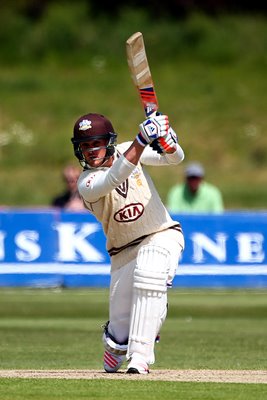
<point>140,72</point>
<point>142,78</point>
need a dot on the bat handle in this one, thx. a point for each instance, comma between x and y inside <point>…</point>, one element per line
<point>152,115</point>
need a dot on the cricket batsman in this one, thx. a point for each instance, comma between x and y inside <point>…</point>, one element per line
<point>143,241</point>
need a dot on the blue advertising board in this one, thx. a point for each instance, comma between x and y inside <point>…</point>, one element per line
<point>46,248</point>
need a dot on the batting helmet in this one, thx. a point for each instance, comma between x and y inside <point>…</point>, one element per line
<point>92,127</point>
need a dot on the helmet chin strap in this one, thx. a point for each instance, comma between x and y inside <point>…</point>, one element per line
<point>107,158</point>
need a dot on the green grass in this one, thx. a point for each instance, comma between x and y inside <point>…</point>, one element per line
<point>64,328</point>
<point>14,389</point>
<point>61,329</point>
<point>210,76</point>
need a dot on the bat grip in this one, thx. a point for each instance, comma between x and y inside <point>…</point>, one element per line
<point>152,115</point>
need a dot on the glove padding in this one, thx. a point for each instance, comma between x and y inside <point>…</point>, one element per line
<point>165,144</point>
<point>153,128</point>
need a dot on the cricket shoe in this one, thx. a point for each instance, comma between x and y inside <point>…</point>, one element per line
<point>137,366</point>
<point>112,362</point>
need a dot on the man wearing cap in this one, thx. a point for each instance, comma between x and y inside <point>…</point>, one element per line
<point>194,195</point>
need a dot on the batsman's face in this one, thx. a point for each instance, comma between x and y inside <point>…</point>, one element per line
<point>94,152</point>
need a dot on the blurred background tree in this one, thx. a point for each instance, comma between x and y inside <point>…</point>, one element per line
<point>60,59</point>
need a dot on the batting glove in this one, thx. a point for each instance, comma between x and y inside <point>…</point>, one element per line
<point>152,129</point>
<point>165,144</point>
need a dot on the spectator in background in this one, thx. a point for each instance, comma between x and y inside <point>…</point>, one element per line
<point>70,199</point>
<point>194,195</point>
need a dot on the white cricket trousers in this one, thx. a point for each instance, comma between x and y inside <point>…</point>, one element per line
<point>138,291</point>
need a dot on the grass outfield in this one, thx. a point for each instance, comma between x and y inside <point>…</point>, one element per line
<point>105,389</point>
<point>61,329</point>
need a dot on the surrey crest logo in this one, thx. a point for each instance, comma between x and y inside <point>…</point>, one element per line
<point>85,124</point>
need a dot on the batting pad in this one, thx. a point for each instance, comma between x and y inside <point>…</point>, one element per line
<point>149,301</point>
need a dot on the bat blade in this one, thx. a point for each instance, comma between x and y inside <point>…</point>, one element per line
<point>140,72</point>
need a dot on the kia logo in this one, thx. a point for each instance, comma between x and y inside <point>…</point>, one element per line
<point>129,213</point>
